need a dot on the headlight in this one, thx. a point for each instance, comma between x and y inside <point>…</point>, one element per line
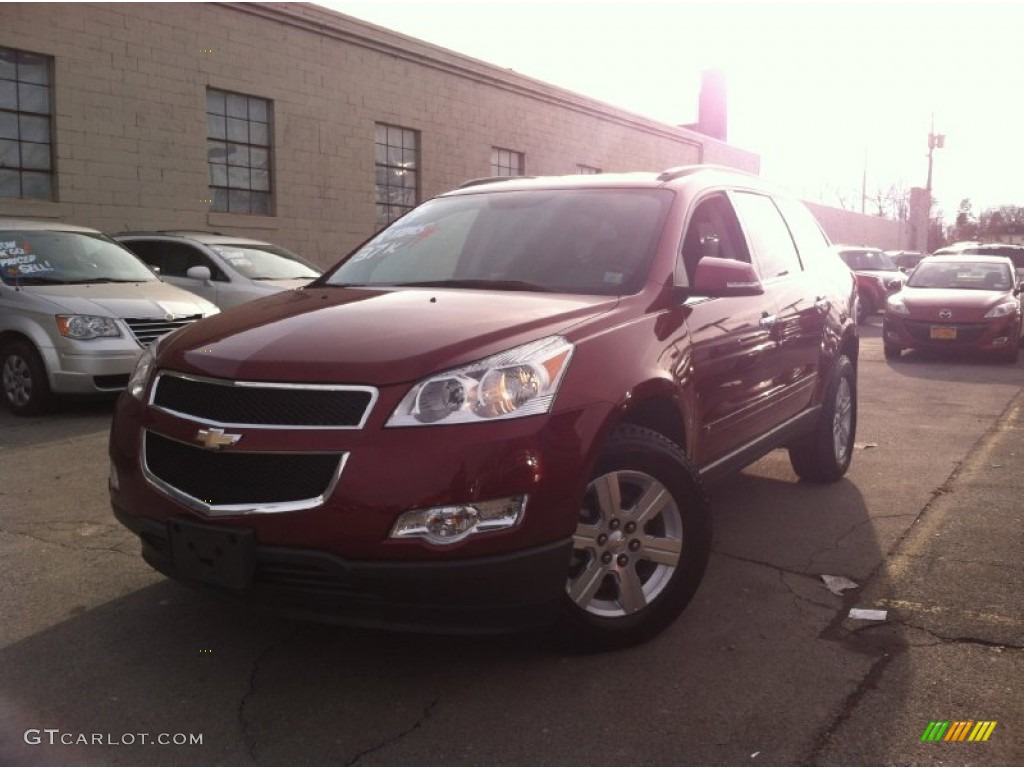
<point>86,326</point>
<point>520,382</point>
<point>140,376</point>
<point>455,522</point>
<point>897,305</point>
<point>1002,310</point>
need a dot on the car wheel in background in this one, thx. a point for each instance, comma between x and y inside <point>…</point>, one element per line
<point>641,544</point>
<point>863,308</point>
<point>26,389</point>
<point>824,455</point>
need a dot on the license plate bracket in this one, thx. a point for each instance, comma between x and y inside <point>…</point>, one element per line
<point>943,333</point>
<point>224,557</point>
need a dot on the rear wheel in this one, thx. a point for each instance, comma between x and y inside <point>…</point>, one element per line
<point>641,544</point>
<point>824,455</point>
<point>23,377</point>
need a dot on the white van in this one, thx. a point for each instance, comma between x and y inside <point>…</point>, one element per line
<point>76,311</point>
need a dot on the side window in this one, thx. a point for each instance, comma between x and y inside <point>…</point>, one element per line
<point>148,252</point>
<point>811,240</point>
<point>178,259</point>
<point>712,230</point>
<point>774,251</point>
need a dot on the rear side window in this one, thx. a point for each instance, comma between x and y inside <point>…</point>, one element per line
<point>811,241</point>
<point>774,250</point>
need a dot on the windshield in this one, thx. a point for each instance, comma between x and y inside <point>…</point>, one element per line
<point>876,260</point>
<point>41,257</point>
<point>569,241</point>
<point>970,275</point>
<point>266,262</point>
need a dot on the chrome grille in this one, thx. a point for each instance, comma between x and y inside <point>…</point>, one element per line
<point>148,329</point>
<point>223,402</point>
<point>239,482</point>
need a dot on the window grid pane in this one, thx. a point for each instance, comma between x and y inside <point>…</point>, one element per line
<point>240,168</point>
<point>507,162</point>
<point>397,161</point>
<point>26,153</point>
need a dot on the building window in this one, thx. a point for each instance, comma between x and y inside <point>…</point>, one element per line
<point>239,152</point>
<point>397,159</point>
<point>26,114</point>
<point>506,162</point>
<point>587,170</point>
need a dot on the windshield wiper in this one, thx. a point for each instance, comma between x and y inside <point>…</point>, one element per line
<point>105,280</point>
<point>499,285</point>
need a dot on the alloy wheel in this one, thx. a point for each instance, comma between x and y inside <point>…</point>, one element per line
<point>627,545</point>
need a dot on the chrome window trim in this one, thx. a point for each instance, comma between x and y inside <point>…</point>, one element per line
<point>373,391</point>
<point>221,510</point>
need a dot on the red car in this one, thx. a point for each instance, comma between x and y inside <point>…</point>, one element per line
<point>877,277</point>
<point>956,302</point>
<point>499,412</point>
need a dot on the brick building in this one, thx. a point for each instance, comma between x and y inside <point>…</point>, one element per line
<point>282,121</point>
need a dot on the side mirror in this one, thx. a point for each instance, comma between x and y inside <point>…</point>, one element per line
<point>725,277</point>
<point>199,273</point>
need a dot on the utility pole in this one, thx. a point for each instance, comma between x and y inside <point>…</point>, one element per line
<point>935,141</point>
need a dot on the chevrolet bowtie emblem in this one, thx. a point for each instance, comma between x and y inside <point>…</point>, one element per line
<point>215,439</point>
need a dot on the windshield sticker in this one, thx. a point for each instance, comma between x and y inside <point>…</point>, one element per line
<point>395,238</point>
<point>16,261</point>
<point>613,278</point>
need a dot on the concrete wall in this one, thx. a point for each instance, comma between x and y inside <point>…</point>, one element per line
<point>130,133</point>
<point>850,228</point>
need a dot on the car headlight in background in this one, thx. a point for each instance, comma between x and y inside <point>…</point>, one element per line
<point>86,326</point>
<point>897,305</point>
<point>520,382</point>
<point>140,375</point>
<point>1005,309</point>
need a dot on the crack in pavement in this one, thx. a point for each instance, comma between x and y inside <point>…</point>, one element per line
<point>73,547</point>
<point>427,712</point>
<point>250,743</point>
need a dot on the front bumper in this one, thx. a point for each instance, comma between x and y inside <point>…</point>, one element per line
<point>91,367</point>
<point>985,336</point>
<point>521,590</point>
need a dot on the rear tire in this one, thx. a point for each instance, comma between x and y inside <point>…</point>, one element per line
<point>641,544</point>
<point>864,308</point>
<point>23,380</point>
<point>824,455</point>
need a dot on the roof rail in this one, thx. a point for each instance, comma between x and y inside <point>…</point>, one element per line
<point>490,180</point>
<point>680,171</point>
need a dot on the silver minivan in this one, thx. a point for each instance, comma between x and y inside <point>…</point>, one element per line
<point>226,269</point>
<point>76,311</point>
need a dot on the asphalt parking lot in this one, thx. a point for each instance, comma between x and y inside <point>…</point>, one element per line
<point>765,667</point>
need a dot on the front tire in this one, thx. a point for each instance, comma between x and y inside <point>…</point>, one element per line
<point>641,544</point>
<point>26,389</point>
<point>864,308</point>
<point>891,351</point>
<point>824,455</point>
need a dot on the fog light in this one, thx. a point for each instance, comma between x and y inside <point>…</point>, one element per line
<point>1000,341</point>
<point>455,522</point>
<point>112,478</point>
<point>892,336</point>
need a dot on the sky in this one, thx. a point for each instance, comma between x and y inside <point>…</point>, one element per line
<point>827,93</point>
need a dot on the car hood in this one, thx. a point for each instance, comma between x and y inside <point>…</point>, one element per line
<point>146,299</point>
<point>368,336</point>
<point>927,303</point>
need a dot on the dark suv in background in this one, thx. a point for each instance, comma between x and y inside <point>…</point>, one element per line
<point>501,411</point>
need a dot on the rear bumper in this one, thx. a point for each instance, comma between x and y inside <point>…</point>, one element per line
<point>500,593</point>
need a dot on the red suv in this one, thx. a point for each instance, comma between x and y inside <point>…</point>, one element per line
<point>877,277</point>
<point>499,412</point>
